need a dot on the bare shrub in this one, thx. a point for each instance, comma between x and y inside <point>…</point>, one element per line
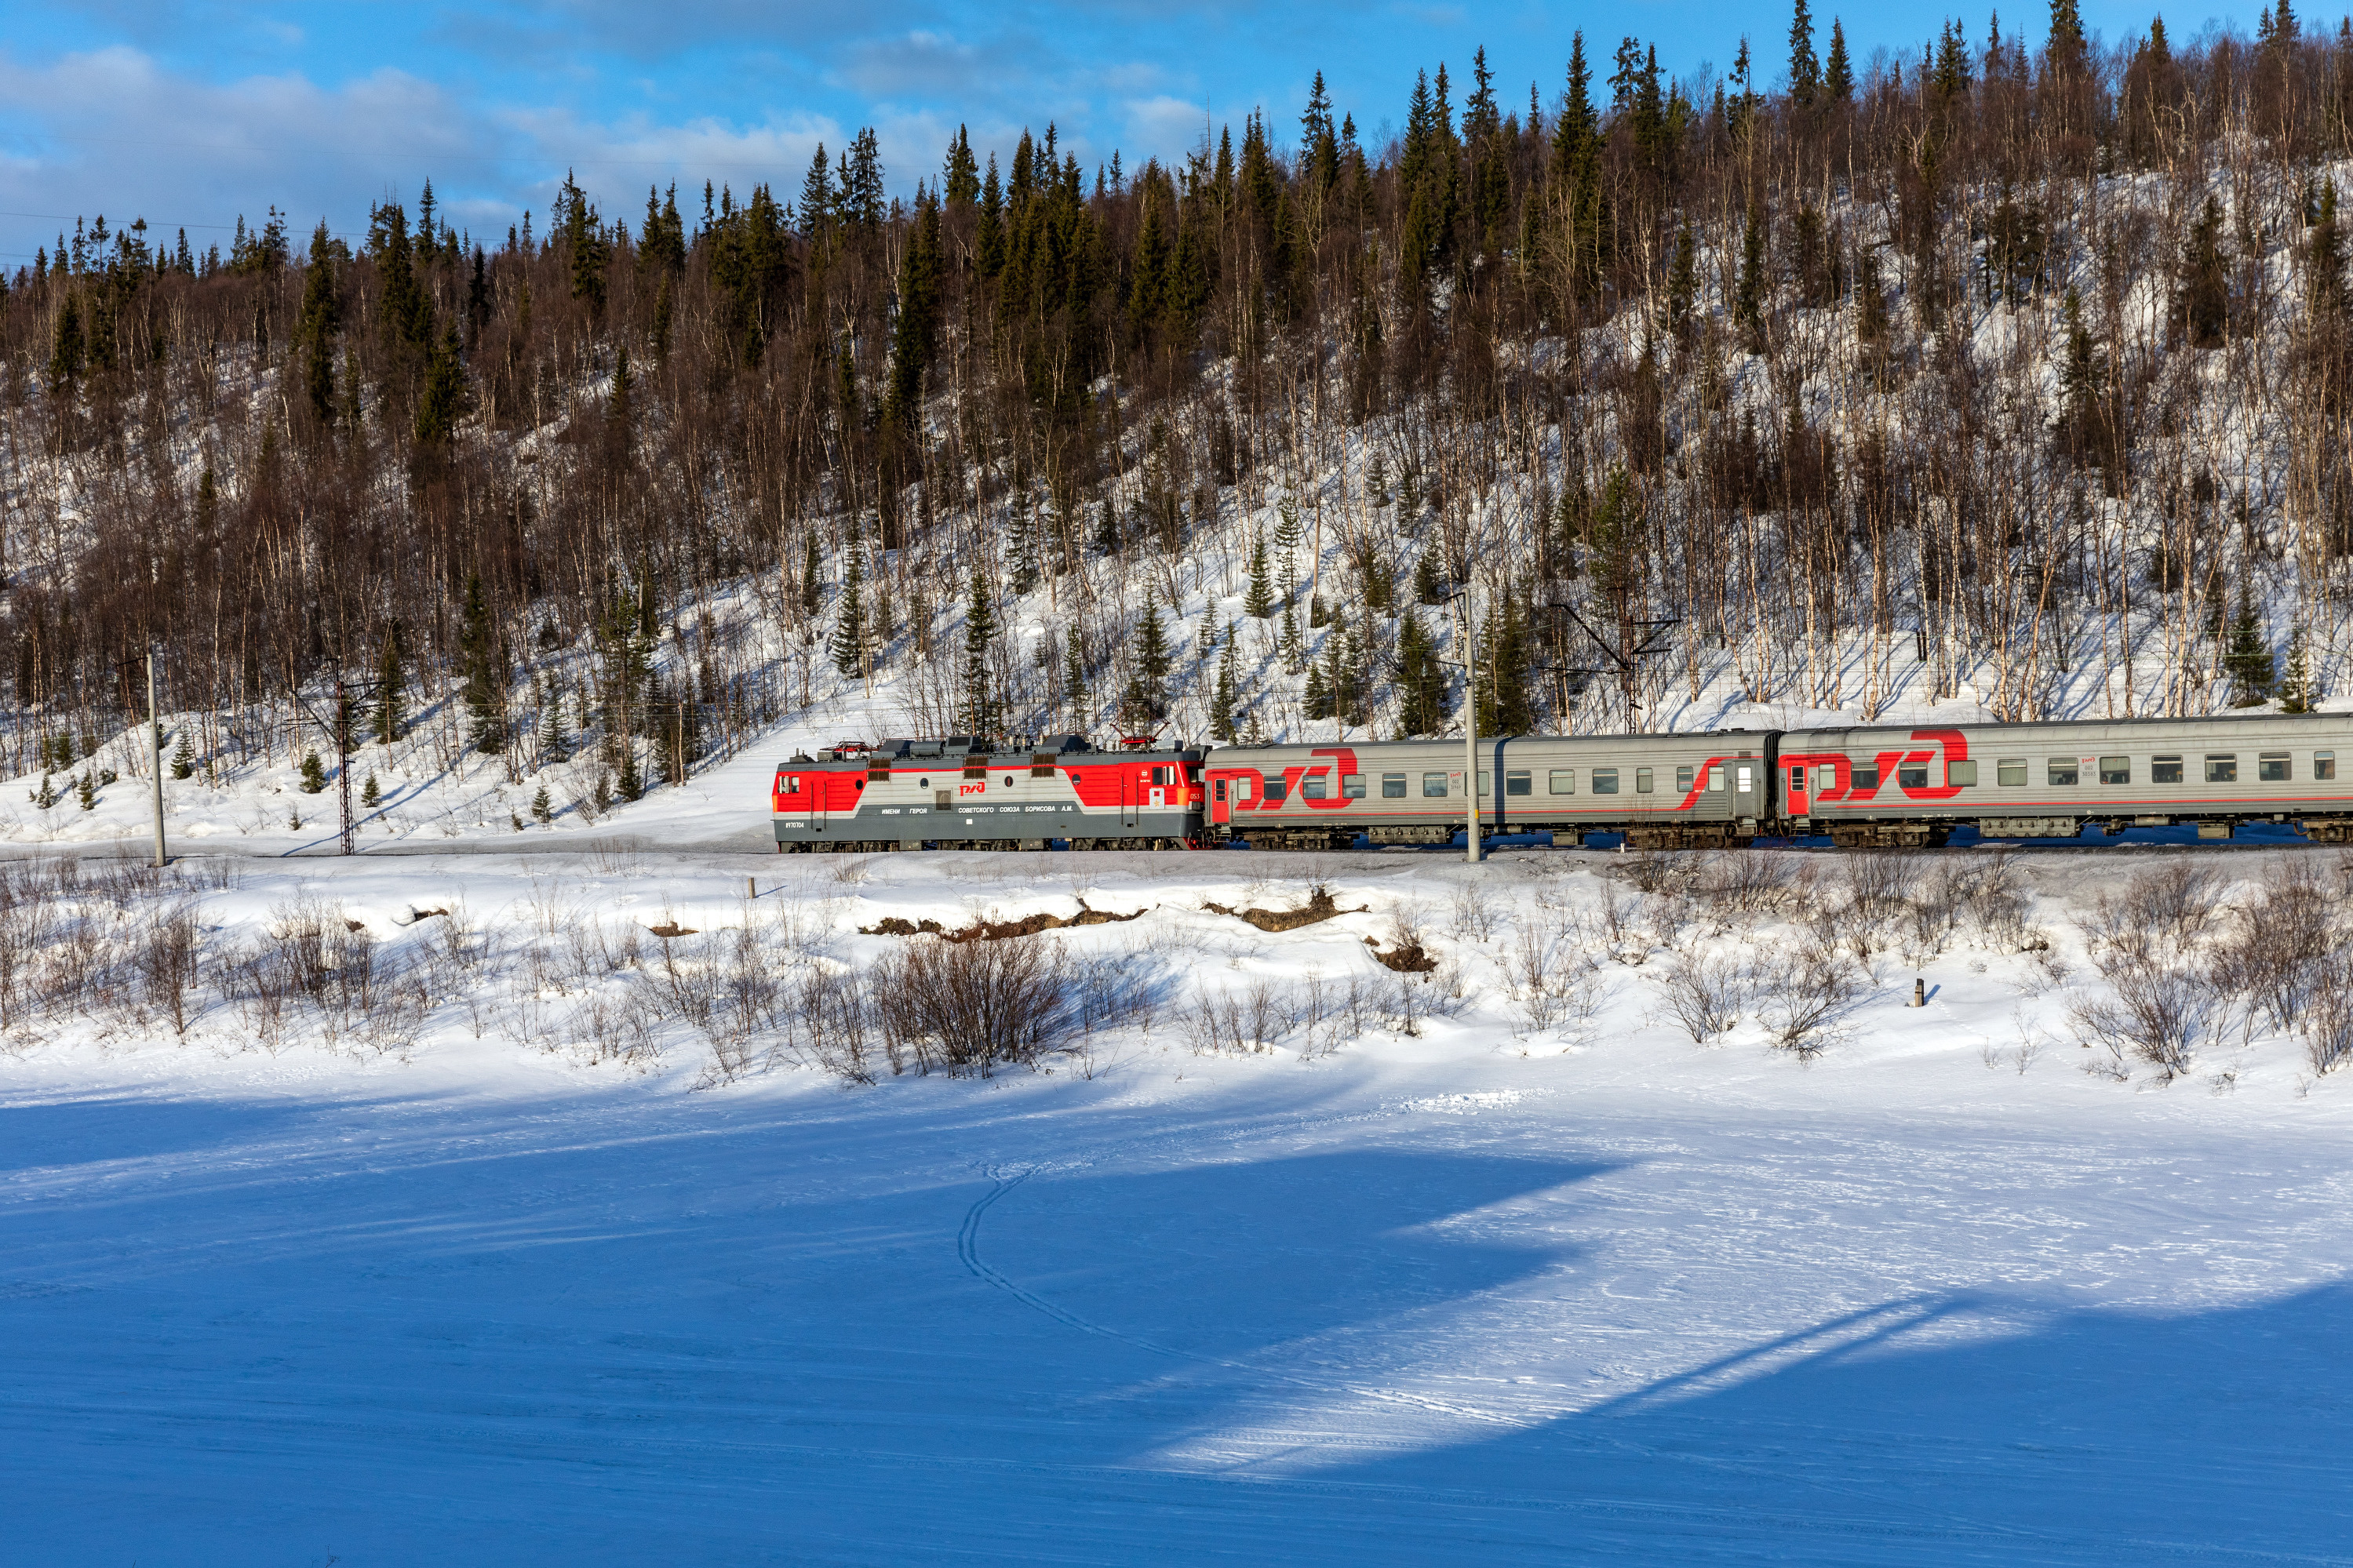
<point>2270,959</point>
<point>2328,1020</point>
<point>2157,915</point>
<point>1744,886</point>
<point>1474,912</point>
<point>1880,883</point>
<point>618,1027</point>
<point>967,1007</point>
<point>1555,975</point>
<point>1705,992</point>
<point>2154,1014</point>
<point>1806,995</point>
<point>167,963</point>
<point>1241,1021</point>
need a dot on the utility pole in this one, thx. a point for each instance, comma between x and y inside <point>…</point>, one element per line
<point>155,754</point>
<point>1471,723</point>
<point>344,757</point>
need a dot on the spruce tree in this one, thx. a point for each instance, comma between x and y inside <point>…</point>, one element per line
<point>1074,678</point>
<point>1838,73</point>
<point>1258,601</point>
<point>553,746</point>
<point>386,723</point>
<point>183,757</point>
<point>1748,306</point>
<point>1429,587</point>
<point>812,579</point>
<point>2249,661</point>
<point>315,329</point>
<point>483,661</point>
<point>849,649</point>
<point>371,792</point>
<point>1228,693</point>
<point>314,773</point>
<point>445,392</point>
<point>2296,689</point>
<point>1504,708</point>
<point>1805,72</point>
<point>2205,295</point>
<point>1423,700</point>
<point>980,713</point>
<point>632,784</point>
<point>542,807</point>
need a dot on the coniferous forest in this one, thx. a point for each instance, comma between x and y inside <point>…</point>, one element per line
<point>2010,371</point>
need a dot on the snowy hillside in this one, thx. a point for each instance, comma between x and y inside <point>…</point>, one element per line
<point>471,1217</point>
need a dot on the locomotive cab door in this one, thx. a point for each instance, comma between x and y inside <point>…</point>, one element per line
<point>1127,793</point>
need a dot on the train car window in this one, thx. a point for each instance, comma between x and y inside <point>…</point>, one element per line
<point>2324,764</point>
<point>1683,777</point>
<point>1009,781</point>
<point>2221,768</point>
<point>858,783</point>
<point>1486,784</point>
<point>1641,780</point>
<point>2010,772</point>
<point>1218,790</point>
<point>1961,775</point>
<point>1392,786</point>
<point>1562,781</point>
<point>2116,770</point>
<point>2272,767</point>
<point>1605,781</point>
<point>1865,779</point>
<point>2164,769</point>
<point>1913,776</point>
<point>1351,786</point>
<point>1434,785</point>
<point>1311,788</point>
<point>1519,784</point>
<point>793,783</point>
<point>2061,773</point>
<point>1275,788</point>
<point>1715,780</point>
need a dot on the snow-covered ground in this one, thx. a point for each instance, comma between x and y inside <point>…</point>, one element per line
<point>1484,1292</point>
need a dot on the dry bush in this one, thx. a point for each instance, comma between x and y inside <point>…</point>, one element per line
<point>1740,886</point>
<point>1474,912</point>
<point>1705,992</point>
<point>2156,916</point>
<point>1241,1021</point>
<point>967,1007</point>
<point>2270,958</point>
<point>2328,1021</point>
<point>1663,871</point>
<point>1555,974</point>
<point>619,1028</point>
<point>2157,1014</point>
<point>167,963</point>
<point>1806,995</point>
<point>1880,884</point>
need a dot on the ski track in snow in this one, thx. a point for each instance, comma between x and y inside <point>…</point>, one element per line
<point>1459,1297</point>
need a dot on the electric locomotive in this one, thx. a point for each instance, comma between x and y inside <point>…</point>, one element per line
<point>980,792</point>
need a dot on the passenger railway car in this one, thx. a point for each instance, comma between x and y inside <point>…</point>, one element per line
<point>964,792</point>
<point>1894,787</point>
<point>1862,786</point>
<point>1669,791</point>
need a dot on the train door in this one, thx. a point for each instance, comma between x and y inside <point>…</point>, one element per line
<point>1220,811</point>
<point>1157,797</point>
<point>1748,785</point>
<point>1799,797</point>
<point>820,786</point>
<point>1127,793</point>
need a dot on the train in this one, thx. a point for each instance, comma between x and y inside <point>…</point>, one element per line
<point>1860,787</point>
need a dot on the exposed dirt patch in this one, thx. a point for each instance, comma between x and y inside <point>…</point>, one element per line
<point>669,930</point>
<point>996,931</point>
<point>1411,958</point>
<point>1318,909</point>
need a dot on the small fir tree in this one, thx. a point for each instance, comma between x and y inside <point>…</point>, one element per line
<point>542,809</point>
<point>371,792</point>
<point>184,758</point>
<point>2248,661</point>
<point>483,661</point>
<point>849,649</point>
<point>1259,601</point>
<point>314,773</point>
<point>2297,693</point>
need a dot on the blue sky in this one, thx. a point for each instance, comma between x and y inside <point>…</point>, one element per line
<point>190,113</point>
